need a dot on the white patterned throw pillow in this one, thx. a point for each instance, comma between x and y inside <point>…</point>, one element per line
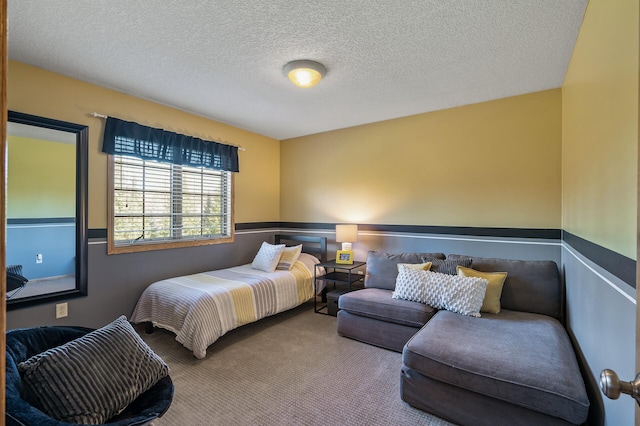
<point>463,295</point>
<point>409,284</point>
<point>268,257</point>
<point>455,293</point>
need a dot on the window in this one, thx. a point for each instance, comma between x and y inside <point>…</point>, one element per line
<point>155,203</point>
<point>167,190</point>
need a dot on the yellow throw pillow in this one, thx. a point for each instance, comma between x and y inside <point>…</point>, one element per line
<point>491,303</point>
<point>417,266</point>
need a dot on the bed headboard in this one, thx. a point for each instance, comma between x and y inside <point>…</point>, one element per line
<point>316,246</point>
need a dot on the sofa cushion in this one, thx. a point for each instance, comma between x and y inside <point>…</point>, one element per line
<point>522,358</point>
<point>382,268</point>
<point>378,304</point>
<point>531,285</point>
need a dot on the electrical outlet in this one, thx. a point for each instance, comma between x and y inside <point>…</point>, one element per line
<point>62,310</point>
<point>39,258</point>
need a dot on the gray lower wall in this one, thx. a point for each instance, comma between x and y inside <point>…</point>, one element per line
<point>600,307</point>
<point>115,282</point>
<point>601,317</point>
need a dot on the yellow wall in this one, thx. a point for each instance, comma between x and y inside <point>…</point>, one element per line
<point>35,91</point>
<point>41,179</point>
<point>600,128</point>
<point>493,164</point>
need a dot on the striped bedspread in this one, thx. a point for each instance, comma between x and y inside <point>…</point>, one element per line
<point>202,307</point>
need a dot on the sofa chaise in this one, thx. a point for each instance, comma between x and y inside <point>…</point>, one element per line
<point>514,367</point>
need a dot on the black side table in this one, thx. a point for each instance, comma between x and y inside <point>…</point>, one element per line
<point>336,274</point>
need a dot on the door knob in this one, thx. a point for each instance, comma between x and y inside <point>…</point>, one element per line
<point>612,387</point>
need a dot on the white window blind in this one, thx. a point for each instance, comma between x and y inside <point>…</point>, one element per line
<point>155,202</point>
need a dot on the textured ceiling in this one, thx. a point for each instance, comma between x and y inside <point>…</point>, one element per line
<point>223,59</point>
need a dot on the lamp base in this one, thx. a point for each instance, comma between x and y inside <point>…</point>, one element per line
<point>346,246</point>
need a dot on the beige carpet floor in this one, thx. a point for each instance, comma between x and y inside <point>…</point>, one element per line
<point>289,369</point>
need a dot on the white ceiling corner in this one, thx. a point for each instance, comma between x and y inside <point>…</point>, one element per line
<point>223,60</point>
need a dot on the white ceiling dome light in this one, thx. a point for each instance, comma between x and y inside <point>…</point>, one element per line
<point>305,73</point>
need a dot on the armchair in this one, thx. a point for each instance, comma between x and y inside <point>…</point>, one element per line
<point>21,344</point>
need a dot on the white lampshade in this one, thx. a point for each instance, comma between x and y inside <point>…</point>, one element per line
<point>305,73</point>
<point>346,234</point>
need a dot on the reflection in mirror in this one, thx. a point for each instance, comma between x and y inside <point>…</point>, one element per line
<point>46,208</point>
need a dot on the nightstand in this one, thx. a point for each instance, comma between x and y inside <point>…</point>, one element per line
<point>336,274</point>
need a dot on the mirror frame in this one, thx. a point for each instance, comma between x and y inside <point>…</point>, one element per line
<point>82,150</point>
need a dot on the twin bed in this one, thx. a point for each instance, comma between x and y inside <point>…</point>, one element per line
<point>202,307</point>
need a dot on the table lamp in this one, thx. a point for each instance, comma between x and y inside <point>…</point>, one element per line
<point>346,234</point>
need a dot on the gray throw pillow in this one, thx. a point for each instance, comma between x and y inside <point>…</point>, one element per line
<point>93,378</point>
<point>448,266</point>
<point>382,268</point>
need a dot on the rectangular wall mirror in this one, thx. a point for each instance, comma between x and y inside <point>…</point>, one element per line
<point>46,210</point>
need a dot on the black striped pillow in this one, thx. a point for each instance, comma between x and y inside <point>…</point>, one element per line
<point>93,378</point>
<point>447,266</point>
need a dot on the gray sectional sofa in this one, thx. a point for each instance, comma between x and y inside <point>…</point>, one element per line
<point>516,367</point>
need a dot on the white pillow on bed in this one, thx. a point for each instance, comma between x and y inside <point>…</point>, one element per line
<point>268,256</point>
<point>289,256</point>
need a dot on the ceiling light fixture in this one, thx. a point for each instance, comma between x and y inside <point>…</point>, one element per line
<point>304,73</point>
